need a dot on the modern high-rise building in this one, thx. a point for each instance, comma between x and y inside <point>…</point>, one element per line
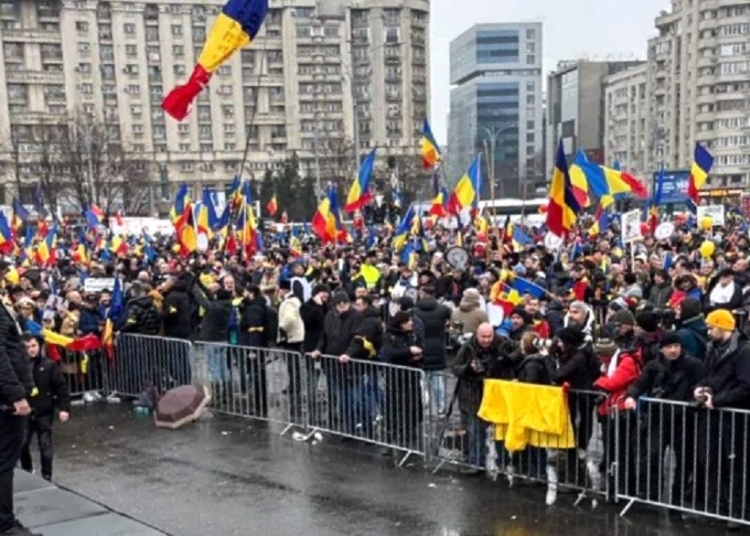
<point>699,87</point>
<point>496,103</point>
<point>321,76</point>
<point>575,106</point>
<point>627,127</point>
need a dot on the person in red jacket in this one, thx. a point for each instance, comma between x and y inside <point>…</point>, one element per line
<point>618,374</point>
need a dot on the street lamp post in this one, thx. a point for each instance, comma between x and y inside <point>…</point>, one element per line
<point>493,134</point>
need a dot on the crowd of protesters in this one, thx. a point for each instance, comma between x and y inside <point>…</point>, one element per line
<point>663,322</point>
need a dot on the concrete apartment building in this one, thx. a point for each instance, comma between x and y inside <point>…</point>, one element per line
<point>295,88</point>
<point>496,98</point>
<point>575,106</point>
<point>628,132</point>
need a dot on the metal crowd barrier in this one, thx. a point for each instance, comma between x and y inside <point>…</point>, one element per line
<point>145,362</point>
<point>259,383</point>
<point>370,401</point>
<point>461,439</point>
<point>84,372</point>
<point>686,458</point>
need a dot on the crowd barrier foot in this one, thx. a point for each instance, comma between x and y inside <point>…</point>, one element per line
<point>403,460</point>
<point>627,507</point>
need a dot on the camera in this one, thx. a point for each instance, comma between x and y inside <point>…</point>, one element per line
<point>666,317</point>
<point>543,344</point>
<point>456,335</point>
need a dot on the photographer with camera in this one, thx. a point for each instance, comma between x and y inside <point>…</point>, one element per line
<point>726,385</point>
<point>671,376</point>
<point>482,357</point>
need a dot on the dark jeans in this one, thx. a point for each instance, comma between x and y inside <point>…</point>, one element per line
<point>42,427</point>
<point>11,440</point>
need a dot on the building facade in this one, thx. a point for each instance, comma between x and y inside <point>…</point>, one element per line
<point>496,101</point>
<point>575,106</point>
<point>627,128</point>
<point>699,82</point>
<point>321,75</point>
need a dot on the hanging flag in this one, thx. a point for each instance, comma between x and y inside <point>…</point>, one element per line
<point>430,150</point>
<point>235,27</point>
<point>20,215</point>
<point>272,206</point>
<point>468,188</point>
<point>6,235</point>
<point>404,229</point>
<point>116,309</point>
<point>656,201</point>
<point>563,207</point>
<point>359,193</point>
<point>94,216</point>
<point>181,199</point>
<point>702,164</point>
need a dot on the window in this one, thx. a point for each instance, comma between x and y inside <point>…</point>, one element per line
<point>184,147</point>
<point>225,89</point>
<point>86,89</point>
<point>207,147</point>
<point>530,99</point>
<point>176,29</point>
<point>137,110</point>
<point>131,68</point>
<point>530,33</point>
<point>128,28</point>
<point>84,49</point>
<point>84,68</point>
<point>227,110</point>
<point>530,137</point>
<point>178,50</point>
<point>133,89</point>
<point>108,72</point>
<point>82,26</point>
<point>178,69</point>
<point>228,128</point>
<point>530,48</point>
<point>131,50</point>
<point>225,70</point>
<point>229,146</point>
<point>530,125</point>
<point>530,59</point>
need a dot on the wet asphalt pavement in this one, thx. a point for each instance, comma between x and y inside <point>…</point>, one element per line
<point>229,477</point>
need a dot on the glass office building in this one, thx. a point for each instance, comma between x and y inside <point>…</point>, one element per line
<point>497,101</point>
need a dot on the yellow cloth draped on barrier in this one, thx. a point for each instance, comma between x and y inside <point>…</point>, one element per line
<point>527,414</point>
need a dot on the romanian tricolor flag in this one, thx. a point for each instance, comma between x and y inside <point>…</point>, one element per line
<point>404,229</point>
<point>702,164</point>
<point>430,150</point>
<point>326,222</point>
<point>181,199</point>
<point>273,206</point>
<point>247,227</point>
<point>116,309</point>
<point>359,193</point>
<point>6,235</point>
<point>237,25</point>
<point>563,207</point>
<point>94,216</point>
<point>45,250</point>
<point>467,189</point>
<point>653,212</point>
<point>20,215</point>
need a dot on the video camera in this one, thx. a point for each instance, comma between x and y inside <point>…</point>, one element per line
<point>667,318</point>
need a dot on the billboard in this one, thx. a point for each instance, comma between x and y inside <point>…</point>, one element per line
<point>674,187</point>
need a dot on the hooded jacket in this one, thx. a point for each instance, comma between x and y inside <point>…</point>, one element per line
<point>313,317</point>
<point>469,314</point>
<point>728,372</point>
<point>617,378</point>
<point>694,335</point>
<point>668,380</point>
<point>434,318</point>
<point>177,311</point>
<point>52,389</point>
<point>142,317</point>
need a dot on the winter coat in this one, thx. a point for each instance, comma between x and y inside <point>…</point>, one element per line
<point>291,326</point>
<point>470,317</point>
<point>90,321</point>
<point>368,336</point>
<point>258,323</point>
<point>694,335</point>
<point>492,363</point>
<point>668,380</point>
<point>338,332</point>
<point>537,369</point>
<point>555,316</point>
<point>16,380</point>
<point>434,317</point>
<point>313,317</point>
<point>215,324</point>
<point>177,311</point>
<point>660,294</point>
<point>626,370</point>
<point>142,317</point>
<point>397,347</point>
<point>728,372</point>
<point>579,370</point>
<point>52,389</point>
<point>648,345</point>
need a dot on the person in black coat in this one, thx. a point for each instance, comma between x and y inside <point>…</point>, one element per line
<point>215,329</point>
<point>480,358</point>
<point>52,394</point>
<point>141,316</point>
<point>671,376</point>
<point>536,367</point>
<point>435,318</point>
<point>258,327</point>
<point>16,384</point>
<point>177,313</point>
<point>313,313</point>
<point>403,346</point>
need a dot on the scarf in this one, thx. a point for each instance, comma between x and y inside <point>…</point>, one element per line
<point>721,295</point>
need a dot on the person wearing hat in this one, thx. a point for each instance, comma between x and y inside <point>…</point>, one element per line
<point>16,386</point>
<point>647,334</point>
<point>723,292</point>
<point>623,328</point>
<point>520,323</point>
<point>726,385</point>
<point>469,313</point>
<point>671,376</point>
<point>291,335</point>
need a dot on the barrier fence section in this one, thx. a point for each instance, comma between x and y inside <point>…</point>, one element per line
<point>84,372</point>
<point>462,439</point>
<point>258,383</point>
<point>145,362</point>
<point>685,457</point>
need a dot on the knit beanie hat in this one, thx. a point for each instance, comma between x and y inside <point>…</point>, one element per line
<point>670,338</point>
<point>623,317</point>
<point>721,319</point>
<point>571,336</point>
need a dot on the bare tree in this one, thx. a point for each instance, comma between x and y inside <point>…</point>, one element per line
<point>337,163</point>
<point>99,168</point>
<point>49,159</point>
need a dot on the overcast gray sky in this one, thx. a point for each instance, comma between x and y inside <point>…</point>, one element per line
<point>572,29</point>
